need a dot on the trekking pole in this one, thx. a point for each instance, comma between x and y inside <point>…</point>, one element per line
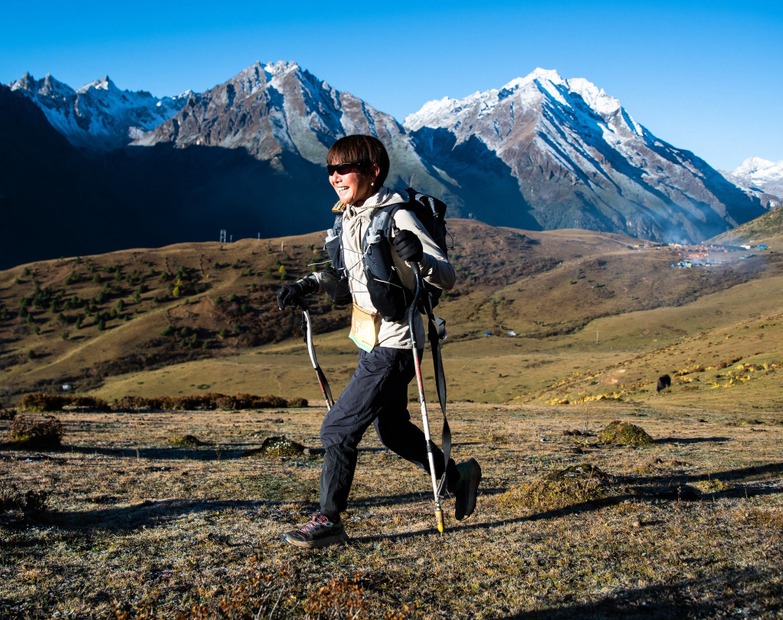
<point>422,402</point>
<point>308,332</point>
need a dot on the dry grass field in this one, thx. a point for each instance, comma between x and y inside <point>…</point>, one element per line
<point>553,336</point>
<point>164,515</point>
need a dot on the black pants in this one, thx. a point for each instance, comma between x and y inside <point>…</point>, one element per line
<point>376,394</point>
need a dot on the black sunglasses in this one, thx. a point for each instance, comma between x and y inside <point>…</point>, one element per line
<point>345,168</point>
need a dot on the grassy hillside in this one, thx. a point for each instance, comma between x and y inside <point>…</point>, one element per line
<point>80,320</point>
<point>545,317</point>
<point>767,227</point>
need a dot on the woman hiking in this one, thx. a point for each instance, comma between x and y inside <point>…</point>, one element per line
<point>377,393</point>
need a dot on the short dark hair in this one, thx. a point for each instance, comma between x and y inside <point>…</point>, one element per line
<point>360,149</point>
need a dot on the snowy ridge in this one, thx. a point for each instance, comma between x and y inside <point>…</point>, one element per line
<point>760,175</point>
<point>582,161</point>
<point>98,115</point>
<point>760,170</point>
<point>558,108</point>
<point>541,152</point>
<point>526,93</point>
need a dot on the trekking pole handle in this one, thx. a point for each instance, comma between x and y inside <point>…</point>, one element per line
<point>309,336</point>
<point>322,381</point>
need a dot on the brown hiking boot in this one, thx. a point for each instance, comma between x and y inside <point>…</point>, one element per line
<point>320,531</point>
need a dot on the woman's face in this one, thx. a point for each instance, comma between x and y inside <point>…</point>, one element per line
<point>352,185</point>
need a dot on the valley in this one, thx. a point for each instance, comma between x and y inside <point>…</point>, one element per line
<point>537,317</point>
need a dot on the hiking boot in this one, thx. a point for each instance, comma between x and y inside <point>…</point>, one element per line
<point>320,531</point>
<point>467,488</point>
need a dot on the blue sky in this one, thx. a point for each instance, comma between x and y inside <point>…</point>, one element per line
<point>703,75</point>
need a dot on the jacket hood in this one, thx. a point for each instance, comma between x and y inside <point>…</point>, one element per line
<point>382,198</point>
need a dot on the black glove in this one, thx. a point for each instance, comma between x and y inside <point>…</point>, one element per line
<point>292,294</point>
<point>408,246</point>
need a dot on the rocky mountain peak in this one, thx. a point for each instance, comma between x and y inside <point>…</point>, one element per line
<point>757,174</point>
<point>44,89</point>
<point>105,84</point>
<point>540,152</point>
<point>99,115</point>
<point>581,161</point>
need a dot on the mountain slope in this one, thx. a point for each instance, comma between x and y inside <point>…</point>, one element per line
<point>581,161</point>
<point>84,321</point>
<point>760,175</point>
<point>99,115</point>
<point>767,227</point>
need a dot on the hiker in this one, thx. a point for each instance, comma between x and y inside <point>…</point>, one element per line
<point>378,390</point>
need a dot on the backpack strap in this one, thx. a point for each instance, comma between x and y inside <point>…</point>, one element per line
<point>436,331</point>
<point>436,326</point>
<point>336,281</point>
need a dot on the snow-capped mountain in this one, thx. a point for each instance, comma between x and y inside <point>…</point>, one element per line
<point>581,161</point>
<point>98,115</point>
<point>541,152</point>
<point>277,112</point>
<point>760,175</point>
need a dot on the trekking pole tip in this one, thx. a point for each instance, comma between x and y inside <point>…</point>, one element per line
<point>439,520</point>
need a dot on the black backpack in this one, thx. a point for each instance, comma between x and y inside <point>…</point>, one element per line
<point>431,212</point>
<point>389,296</point>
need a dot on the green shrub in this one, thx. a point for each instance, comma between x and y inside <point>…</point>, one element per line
<point>205,402</point>
<point>556,490</point>
<point>43,402</point>
<point>186,441</point>
<point>58,402</point>
<point>36,433</point>
<point>282,447</point>
<point>625,434</point>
